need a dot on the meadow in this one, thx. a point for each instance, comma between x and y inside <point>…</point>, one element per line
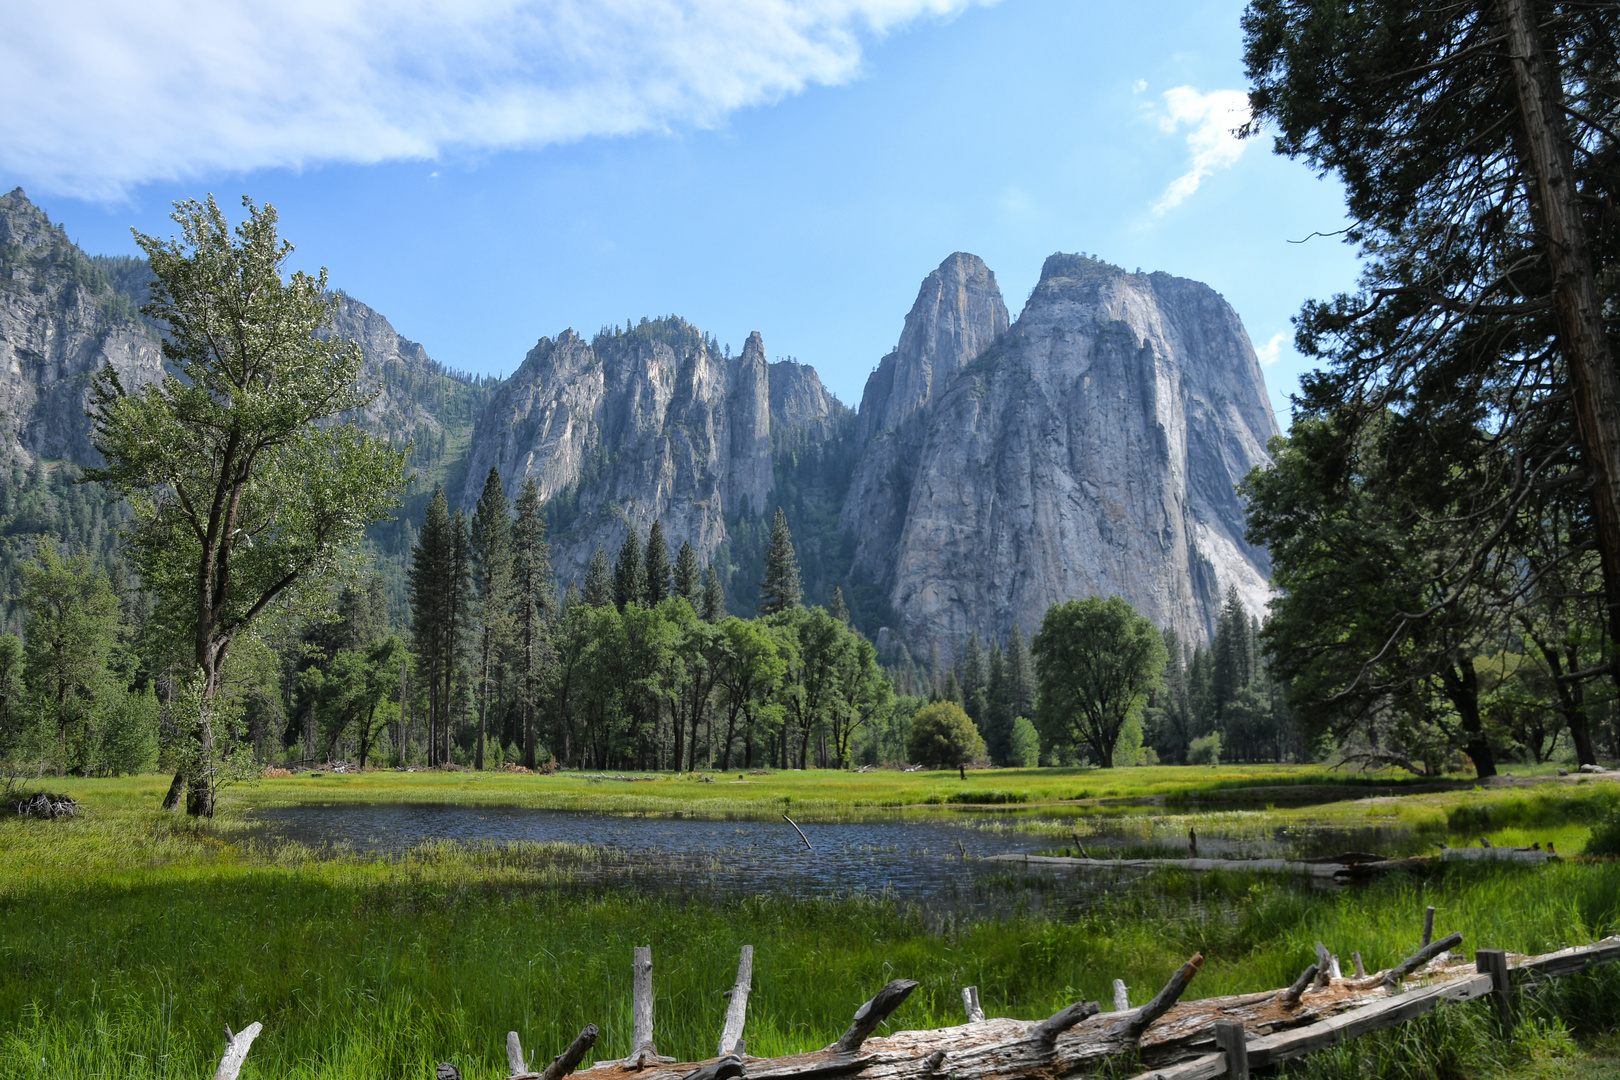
<point>129,938</point>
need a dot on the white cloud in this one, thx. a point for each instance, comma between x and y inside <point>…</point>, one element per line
<point>1212,118</point>
<point>1271,351</point>
<point>103,94</point>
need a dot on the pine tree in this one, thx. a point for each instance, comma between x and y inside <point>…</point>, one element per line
<point>456,630</point>
<point>714,597</point>
<point>491,563</point>
<point>599,580</point>
<point>629,573</point>
<point>781,589</point>
<point>657,566</point>
<point>974,700</point>
<point>1020,676</point>
<point>531,574</point>
<point>688,577</point>
<point>431,561</point>
<point>998,723</point>
<point>572,598</point>
<point>837,609</point>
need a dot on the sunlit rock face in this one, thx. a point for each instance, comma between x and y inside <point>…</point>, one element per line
<point>1090,449</point>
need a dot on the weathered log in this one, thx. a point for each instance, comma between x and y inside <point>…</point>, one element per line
<point>970,1004</point>
<point>731,1040</point>
<point>641,999</point>
<point>514,1054</point>
<point>446,1071</point>
<point>728,1067</point>
<point>236,1051</point>
<point>1401,970</point>
<point>567,1061</point>
<point>1428,926</point>
<point>873,1013</point>
<point>1122,996</point>
<point>1361,969</point>
<point>1323,972</point>
<point>1165,998</point>
<point>934,1062</point>
<point>1047,1031</point>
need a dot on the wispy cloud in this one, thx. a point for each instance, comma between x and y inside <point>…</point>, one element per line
<point>1271,351</point>
<point>1211,119</point>
<point>103,94</point>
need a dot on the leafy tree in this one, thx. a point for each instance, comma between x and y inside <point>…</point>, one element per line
<point>1024,745</point>
<point>598,580</point>
<point>943,737</point>
<point>714,597</point>
<point>490,553</point>
<point>244,492</point>
<point>688,578</point>
<point>360,696</point>
<point>657,566</point>
<point>629,573</point>
<point>1477,147</point>
<point>781,589</point>
<point>531,579</point>
<point>752,671</point>
<point>1096,661</point>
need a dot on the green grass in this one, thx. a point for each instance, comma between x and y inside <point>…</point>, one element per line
<point>128,938</point>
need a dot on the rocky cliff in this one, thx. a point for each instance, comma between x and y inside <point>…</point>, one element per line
<point>61,321</point>
<point>641,424</point>
<point>1092,448</point>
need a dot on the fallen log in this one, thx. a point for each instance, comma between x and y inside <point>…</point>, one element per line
<point>1359,867</point>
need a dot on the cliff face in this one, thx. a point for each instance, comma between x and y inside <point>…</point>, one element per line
<point>61,321</point>
<point>642,425</point>
<point>1092,449</point>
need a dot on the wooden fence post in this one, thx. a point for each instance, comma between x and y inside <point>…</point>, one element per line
<point>1231,1037</point>
<point>1493,962</point>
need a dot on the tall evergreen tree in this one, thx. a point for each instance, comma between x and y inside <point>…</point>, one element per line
<point>974,699</point>
<point>629,573</point>
<point>531,575</point>
<point>836,608</point>
<point>1020,676</point>
<point>599,580</point>
<point>781,589</point>
<point>999,716</point>
<point>431,560</point>
<point>657,566</point>
<point>460,600</point>
<point>688,577</point>
<point>572,598</point>
<point>714,597</point>
<point>491,564</point>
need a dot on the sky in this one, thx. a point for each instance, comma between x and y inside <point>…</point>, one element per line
<point>487,172</point>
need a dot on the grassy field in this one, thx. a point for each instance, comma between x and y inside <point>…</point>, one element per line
<point>128,938</point>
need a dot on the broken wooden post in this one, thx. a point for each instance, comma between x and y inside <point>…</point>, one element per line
<point>1164,998</point>
<point>1428,927</point>
<point>1394,975</point>
<point>1049,1029</point>
<point>1323,971</point>
<point>970,1004</point>
<point>236,1051</point>
<point>1122,996</point>
<point>1291,995</point>
<point>514,1054</point>
<point>728,1067</point>
<point>567,1061</point>
<point>641,1007</point>
<point>1192,841</point>
<point>1231,1037</point>
<point>1493,962</point>
<point>798,830</point>
<point>873,1013</point>
<point>1361,969</point>
<point>731,1040</point>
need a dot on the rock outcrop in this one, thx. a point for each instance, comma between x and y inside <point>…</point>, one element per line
<point>1091,449</point>
<point>61,322</point>
<point>643,424</point>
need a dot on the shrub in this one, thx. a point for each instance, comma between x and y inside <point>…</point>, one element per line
<point>943,737</point>
<point>988,798</point>
<point>1205,750</point>
<point>1605,838</point>
<point>1024,747</point>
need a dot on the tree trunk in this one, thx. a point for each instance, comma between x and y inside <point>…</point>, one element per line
<point>1461,683</point>
<point>1584,344</point>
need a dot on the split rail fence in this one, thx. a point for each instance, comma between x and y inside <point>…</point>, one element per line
<point>1171,1039</point>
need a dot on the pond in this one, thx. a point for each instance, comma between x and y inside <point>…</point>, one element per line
<point>936,863</point>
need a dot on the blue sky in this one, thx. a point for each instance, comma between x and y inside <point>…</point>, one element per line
<point>488,172</point>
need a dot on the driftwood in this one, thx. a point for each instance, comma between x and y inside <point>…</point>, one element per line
<point>1355,865</point>
<point>873,1013</point>
<point>236,1051</point>
<point>731,1040</point>
<point>798,830</point>
<point>970,1004</point>
<point>43,804</point>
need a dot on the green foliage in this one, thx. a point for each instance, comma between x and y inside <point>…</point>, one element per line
<point>1024,747</point>
<point>943,737</point>
<point>781,589</point>
<point>1205,750</point>
<point>1096,661</point>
